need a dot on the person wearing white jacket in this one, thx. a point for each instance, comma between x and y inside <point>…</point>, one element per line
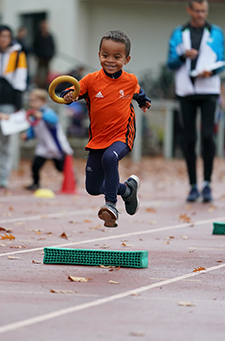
<point>52,143</point>
<point>13,82</point>
<point>196,54</point>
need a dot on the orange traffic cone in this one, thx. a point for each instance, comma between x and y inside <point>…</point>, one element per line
<point>69,182</point>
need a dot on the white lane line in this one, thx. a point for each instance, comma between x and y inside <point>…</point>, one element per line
<point>206,248</point>
<point>48,215</point>
<point>41,318</point>
<point>160,229</point>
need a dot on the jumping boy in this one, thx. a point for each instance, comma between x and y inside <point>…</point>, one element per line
<point>108,94</point>
<point>51,141</point>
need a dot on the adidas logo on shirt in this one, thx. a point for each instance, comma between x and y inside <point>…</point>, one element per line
<point>99,95</point>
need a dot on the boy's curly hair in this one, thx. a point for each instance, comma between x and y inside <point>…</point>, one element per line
<point>117,36</point>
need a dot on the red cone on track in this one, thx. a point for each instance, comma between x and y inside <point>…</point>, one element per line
<point>69,182</point>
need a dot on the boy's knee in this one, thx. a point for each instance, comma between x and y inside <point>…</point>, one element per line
<point>92,189</point>
<point>109,158</point>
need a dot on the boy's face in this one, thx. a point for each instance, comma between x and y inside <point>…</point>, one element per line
<point>5,39</point>
<point>35,102</point>
<point>112,56</point>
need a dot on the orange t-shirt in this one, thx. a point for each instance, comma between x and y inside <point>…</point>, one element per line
<point>111,113</point>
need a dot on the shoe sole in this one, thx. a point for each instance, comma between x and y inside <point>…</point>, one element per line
<point>108,217</point>
<point>206,200</point>
<point>134,177</point>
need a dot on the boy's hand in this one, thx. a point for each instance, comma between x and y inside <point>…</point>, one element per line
<point>23,136</point>
<point>145,107</point>
<point>37,114</point>
<point>4,116</point>
<point>68,97</point>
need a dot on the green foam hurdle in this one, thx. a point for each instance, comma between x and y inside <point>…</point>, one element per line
<point>218,228</point>
<point>131,259</point>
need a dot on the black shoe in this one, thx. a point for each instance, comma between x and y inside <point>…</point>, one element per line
<point>193,195</point>
<point>132,201</point>
<point>32,187</point>
<point>109,214</point>
<point>206,194</point>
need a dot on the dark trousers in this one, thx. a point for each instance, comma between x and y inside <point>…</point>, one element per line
<point>42,73</point>
<point>39,161</point>
<point>207,105</point>
<point>102,176</point>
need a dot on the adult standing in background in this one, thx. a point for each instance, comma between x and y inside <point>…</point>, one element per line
<point>44,49</point>
<point>196,54</point>
<point>13,81</point>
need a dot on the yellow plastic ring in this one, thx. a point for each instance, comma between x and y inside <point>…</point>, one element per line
<point>61,79</point>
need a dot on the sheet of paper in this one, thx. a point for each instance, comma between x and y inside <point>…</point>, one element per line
<point>214,66</point>
<point>16,123</point>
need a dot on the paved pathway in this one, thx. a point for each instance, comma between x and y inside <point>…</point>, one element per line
<point>167,301</point>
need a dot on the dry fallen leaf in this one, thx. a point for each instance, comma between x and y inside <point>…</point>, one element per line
<point>62,291</point>
<point>186,304</point>
<point>150,209</point>
<point>128,245</point>
<point>201,268</point>
<point>137,334</point>
<point>7,236</point>
<point>212,208</point>
<point>17,247</point>
<point>63,235</point>
<point>113,282</point>
<point>13,258</point>
<point>87,221</point>
<point>36,262</point>
<point>104,246</point>
<point>78,279</point>
<point>185,218</point>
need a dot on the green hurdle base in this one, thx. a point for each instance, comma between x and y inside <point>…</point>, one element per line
<point>131,259</point>
<point>218,228</point>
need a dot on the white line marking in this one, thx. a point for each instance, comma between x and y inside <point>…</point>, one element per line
<point>206,248</point>
<point>47,215</point>
<point>165,228</point>
<point>61,312</point>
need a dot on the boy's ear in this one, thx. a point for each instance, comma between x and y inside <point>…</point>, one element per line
<point>127,60</point>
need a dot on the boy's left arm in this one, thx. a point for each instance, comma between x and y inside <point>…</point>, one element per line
<point>140,97</point>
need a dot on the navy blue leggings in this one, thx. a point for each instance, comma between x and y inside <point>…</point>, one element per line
<point>102,176</point>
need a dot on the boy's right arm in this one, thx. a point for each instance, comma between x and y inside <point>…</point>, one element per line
<point>29,134</point>
<point>67,95</point>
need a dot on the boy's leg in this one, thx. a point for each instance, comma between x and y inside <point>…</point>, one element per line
<point>94,172</point>
<point>59,163</point>
<point>112,155</point>
<point>38,162</point>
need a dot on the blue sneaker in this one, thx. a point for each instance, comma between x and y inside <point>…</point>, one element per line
<point>206,194</point>
<point>193,195</point>
<point>109,214</point>
<point>132,201</point>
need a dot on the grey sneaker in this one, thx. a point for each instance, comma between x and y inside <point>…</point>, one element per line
<point>132,201</point>
<point>109,214</point>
